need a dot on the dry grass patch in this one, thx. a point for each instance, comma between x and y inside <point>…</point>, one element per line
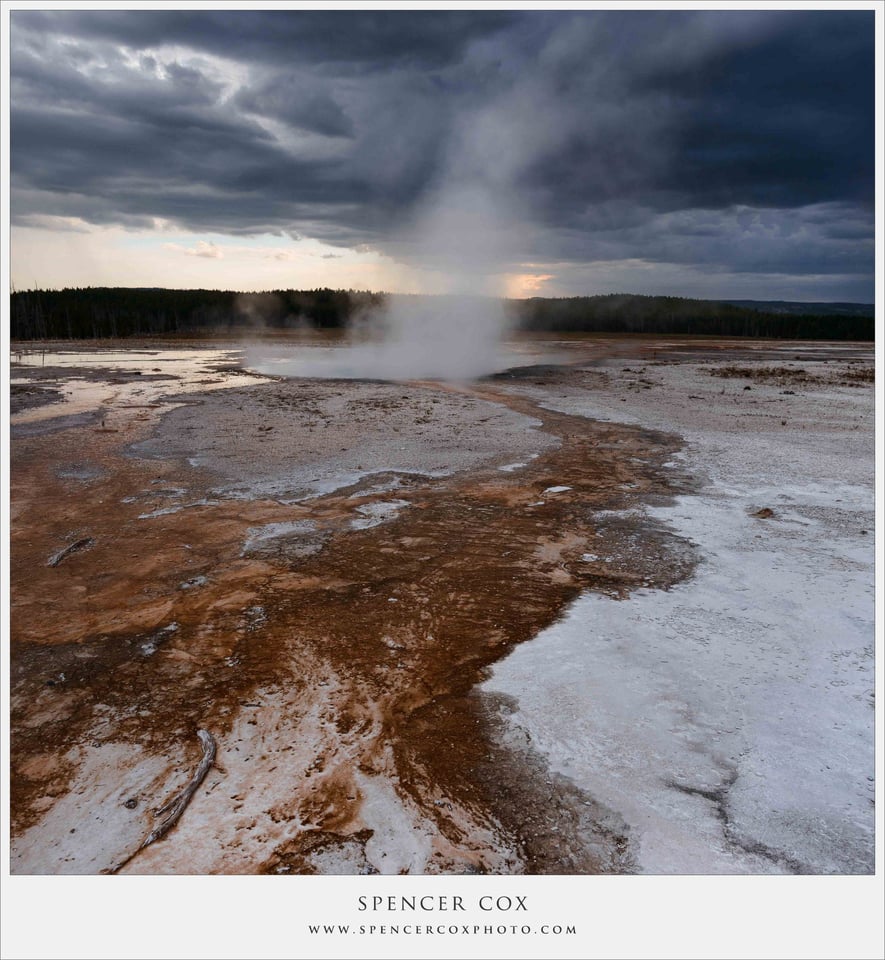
<point>784,376</point>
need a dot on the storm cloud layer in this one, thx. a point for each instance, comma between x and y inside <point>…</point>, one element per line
<point>732,142</point>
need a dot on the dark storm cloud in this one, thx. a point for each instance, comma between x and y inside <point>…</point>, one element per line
<point>423,38</point>
<point>766,109</point>
<point>747,240</point>
<point>311,110</point>
<point>735,139</point>
<point>799,108</point>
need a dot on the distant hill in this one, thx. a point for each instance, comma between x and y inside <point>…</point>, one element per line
<point>96,312</point>
<point>821,308</point>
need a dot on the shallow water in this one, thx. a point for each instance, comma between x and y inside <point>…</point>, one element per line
<point>103,379</point>
<point>387,361</point>
<point>173,360</point>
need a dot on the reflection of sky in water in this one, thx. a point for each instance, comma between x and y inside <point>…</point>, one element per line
<point>386,361</point>
<point>178,371</point>
<point>174,362</point>
<point>86,379</point>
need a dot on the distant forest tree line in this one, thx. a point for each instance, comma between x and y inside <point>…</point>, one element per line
<point>628,313</point>
<point>112,312</point>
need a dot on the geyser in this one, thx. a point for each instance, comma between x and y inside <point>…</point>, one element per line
<point>412,338</point>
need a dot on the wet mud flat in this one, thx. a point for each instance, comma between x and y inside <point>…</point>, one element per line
<point>320,574</point>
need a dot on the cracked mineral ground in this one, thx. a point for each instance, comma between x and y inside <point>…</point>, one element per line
<point>337,580</point>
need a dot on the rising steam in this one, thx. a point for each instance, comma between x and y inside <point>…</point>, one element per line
<point>457,333</point>
<point>462,241</point>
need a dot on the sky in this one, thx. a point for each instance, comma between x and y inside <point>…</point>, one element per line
<point>722,154</point>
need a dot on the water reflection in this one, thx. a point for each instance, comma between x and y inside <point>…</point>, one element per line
<point>111,379</point>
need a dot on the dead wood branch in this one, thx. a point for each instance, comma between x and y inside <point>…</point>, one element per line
<point>80,544</point>
<point>175,807</point>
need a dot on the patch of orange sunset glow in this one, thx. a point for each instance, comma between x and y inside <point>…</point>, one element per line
<point>526,284</point>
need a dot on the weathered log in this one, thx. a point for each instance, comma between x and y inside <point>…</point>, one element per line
<point>175,807</point>
<point>80,544</point>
